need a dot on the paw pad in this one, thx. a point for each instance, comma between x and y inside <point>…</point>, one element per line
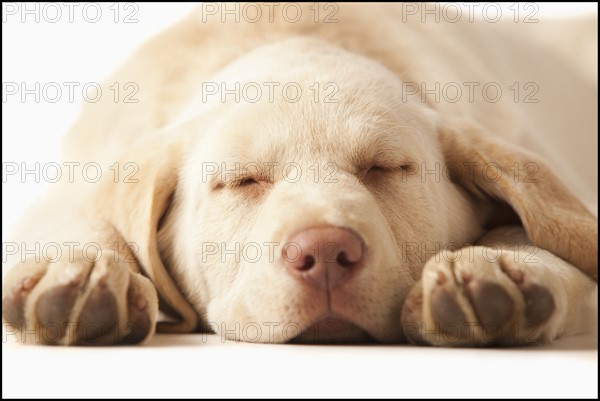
<point>445,309</point>
<point>491,302</point>
<point>99,315</point>
<point>53,310</point>
<point>539,303</point>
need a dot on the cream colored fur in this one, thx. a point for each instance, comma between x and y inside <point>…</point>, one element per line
<point>403,213</point>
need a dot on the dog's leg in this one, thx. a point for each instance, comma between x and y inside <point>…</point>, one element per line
<point>91,296</point>
<point>502,291</point>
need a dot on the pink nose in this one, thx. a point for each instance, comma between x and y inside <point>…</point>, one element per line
<point>324,256</point>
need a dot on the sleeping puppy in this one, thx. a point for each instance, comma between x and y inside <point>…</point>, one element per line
<point>307,182</point>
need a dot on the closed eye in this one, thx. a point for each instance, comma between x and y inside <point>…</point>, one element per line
<point>408,168</point>
<point>244,182</point>
<point>249,185</point>
<point>377,169</point>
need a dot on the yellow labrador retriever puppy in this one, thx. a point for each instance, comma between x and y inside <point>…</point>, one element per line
<point>322,173</point>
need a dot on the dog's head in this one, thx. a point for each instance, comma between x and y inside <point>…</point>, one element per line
<point>303,194</point>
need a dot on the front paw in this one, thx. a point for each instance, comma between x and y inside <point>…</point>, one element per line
<point>484,300</point>
<point>79,301</point>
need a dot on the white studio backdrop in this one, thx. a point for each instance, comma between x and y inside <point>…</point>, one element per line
<point>54,45</point>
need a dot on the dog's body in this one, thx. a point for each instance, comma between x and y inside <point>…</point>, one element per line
<point>381,164</point>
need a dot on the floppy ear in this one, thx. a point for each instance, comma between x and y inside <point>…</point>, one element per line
<point>552,217</point>
<point>138,203</point>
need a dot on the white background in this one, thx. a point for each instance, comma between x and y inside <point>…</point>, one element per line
<point>84,52</point>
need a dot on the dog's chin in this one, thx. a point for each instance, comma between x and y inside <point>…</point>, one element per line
<point>333,330</point>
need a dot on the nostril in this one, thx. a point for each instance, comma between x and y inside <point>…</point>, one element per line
<point>343,261</point>
<point>309,262</point>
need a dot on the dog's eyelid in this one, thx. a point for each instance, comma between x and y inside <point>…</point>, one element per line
<point>244,182</point>
<point>407,167</point>
<point>218,185</point>
<point>240,181</point>
<point>247,181</point>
